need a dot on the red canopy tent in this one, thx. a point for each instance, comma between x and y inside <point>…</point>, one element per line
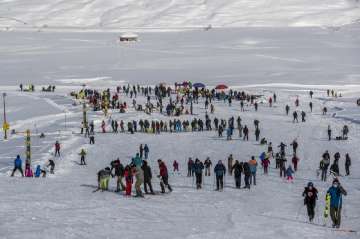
<point>221,87</point>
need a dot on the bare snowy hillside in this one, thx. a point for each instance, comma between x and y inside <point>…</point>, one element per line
<point>114,14</point>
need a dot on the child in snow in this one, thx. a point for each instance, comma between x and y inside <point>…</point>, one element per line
<point>39,172</point>
<point>289,173</point>
<point>82,157</point>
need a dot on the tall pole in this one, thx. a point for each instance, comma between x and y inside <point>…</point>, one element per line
<point>84,110</point>
<point>28,147</point>
<point>5,125</point>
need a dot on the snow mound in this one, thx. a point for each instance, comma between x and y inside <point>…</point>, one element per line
<point>165,14</point>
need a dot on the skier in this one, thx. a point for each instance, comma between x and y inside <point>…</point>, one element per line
<point>198,169</point>
<point>57,148</point>
<point>163,176</point>
<point>39,171</point>
<point>289,173</point>
<point>310,195</point>
<point>253,166</point>
<point>17,166</point>
<point>220,172</point>
<point>141,150</point>
<point>335,192</point>
<point>103,126</point>
<point>119,173</point>
<point>82,157</point>
<point>311,106</point>
<point>282,149</point>
<point>147,177</point>
<point>347,164</point>
<point>237,169</point>
<point>207,165</point>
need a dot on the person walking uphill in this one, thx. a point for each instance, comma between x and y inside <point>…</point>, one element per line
<point>237,169</point>
<point>335,193</point>
<point>220,172</point>
<point>164,177</point>
<point>198,168</point>
<point>310,197</point>
<point>347,164</point>
<point>207,165</point>
<point>230,163</point>
<point>17,166</point>
<point>253,166</point>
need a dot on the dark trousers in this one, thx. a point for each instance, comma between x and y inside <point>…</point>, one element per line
<point>57,152</point>
<point>310,210</point>
<point>198,180</point>
<point>247,181</point>
<point>253,176</point>
<point>146,184</point>
<point>92,140</point>
<point>238,181</point>
<point>219,182</point>
<point>17,168</point>
<point>347,170</point>
<point>335,214</point>
<point>323,174</point>
<point>82,160</point>
<point>164,182</point>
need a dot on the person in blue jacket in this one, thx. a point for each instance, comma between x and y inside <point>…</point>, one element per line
<point>146,151</point>
<point>39,172</point>
<point>137,161</point>
<point>220,172</point>
<point>336,191</point>
<point>17,166</point>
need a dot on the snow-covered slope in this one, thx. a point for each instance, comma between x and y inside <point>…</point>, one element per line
<point>112,14</point>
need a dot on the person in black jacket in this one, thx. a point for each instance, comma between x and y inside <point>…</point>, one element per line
<point>147,177</point>
<point>247,173</point>
<point>119,173</point>
<point>310,197</point>
<point>237,169</point>
<point>347,164</point>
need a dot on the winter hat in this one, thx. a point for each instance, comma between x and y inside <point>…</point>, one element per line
<point>336,181</point>
<point>310,184</point>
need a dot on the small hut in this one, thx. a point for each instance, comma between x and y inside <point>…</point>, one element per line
<point>127,37</point>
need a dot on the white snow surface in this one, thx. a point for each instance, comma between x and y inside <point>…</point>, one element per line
<point>174,14</point>
<point>287,61</point>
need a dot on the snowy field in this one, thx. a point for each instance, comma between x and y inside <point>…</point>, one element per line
<point>288,61</point>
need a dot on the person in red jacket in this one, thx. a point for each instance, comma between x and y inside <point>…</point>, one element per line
<point>57,148</point>
<point>128,180</point>
<point>164,177</point>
